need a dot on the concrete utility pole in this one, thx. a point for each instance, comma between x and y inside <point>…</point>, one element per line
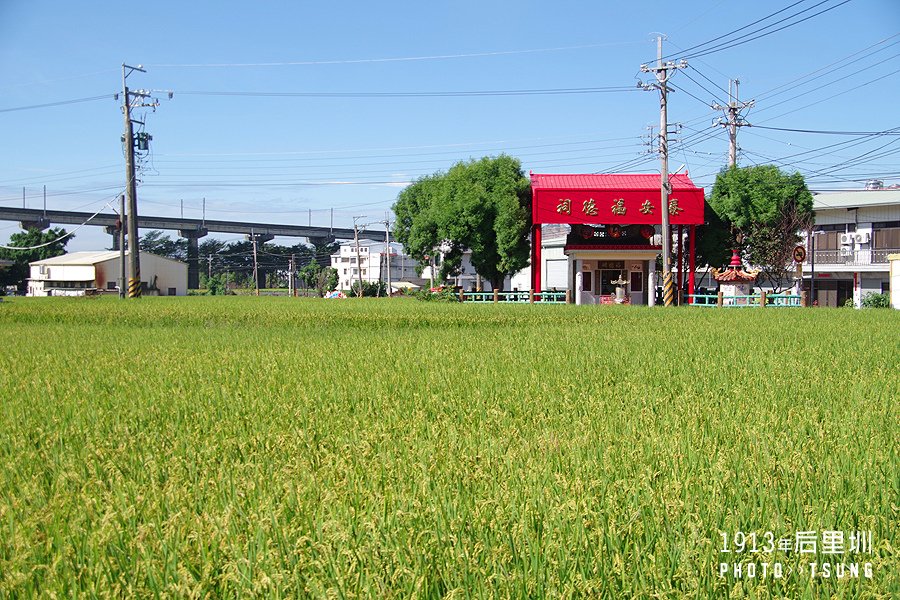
<point>732,119</point>
<point>387,245</point>
<point>255,267</point>
<point>663,72</point>
<point>292,286</point>
<point>359,292</point>
<point>134,282</point>
<point>122,247</point>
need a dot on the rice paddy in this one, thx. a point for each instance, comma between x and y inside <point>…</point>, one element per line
<point>279,447</point>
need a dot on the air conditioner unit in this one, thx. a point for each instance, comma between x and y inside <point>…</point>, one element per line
<point>846,252</point>
<point>862,238</point>
<point>847,239</point>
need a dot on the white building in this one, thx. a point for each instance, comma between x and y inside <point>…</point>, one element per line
<point>555,272</point>
<point>74,273</point>
<point>369,262</point>
<point>853,236</point>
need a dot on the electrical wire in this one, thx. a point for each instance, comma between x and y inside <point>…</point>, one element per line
<point>442,94</point>
<point>739,41</point>
<point>394,59</point>
<point>818,131</point>
<point>59,103</point>
<point>739,29</point>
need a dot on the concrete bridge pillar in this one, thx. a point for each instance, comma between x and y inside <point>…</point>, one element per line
<point>114,232</point>
<point>193,254</point>
<point>40,224</point>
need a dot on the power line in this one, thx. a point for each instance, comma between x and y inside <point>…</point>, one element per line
<point>829,97</point>
<point>725,35</point>
<point>395,59</point>
<point>885,132</point>
<point>441,94</point>
<point>59,103</point>
<point>795,82</point>
<point>739,41</point>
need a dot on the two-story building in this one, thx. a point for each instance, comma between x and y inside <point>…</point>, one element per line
<point>369,262</point>
<point>847,253</point>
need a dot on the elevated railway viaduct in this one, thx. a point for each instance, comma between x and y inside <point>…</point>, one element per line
<point>190,229</point>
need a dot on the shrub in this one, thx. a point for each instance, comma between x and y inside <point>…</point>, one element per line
<point>873,300</point>
<point>440,294</point>
<point>370,289</point>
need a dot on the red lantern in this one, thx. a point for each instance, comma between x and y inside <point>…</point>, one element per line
<point>647,231</point>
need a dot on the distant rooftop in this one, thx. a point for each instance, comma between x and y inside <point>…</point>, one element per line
<point>90,258</point>
<point>80,258</point>
<point>856,199</point>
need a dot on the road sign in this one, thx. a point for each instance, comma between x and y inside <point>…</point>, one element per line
<point>799,254</point>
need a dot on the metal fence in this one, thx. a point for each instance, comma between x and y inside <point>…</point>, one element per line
<point>515,297</point>
<point>849,257</point>
<point>762,300</point>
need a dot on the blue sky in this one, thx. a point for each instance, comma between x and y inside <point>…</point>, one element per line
<point>275,158</point>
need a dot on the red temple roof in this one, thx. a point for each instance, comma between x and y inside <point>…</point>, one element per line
<point>608,181</point>
<point>734,276</point>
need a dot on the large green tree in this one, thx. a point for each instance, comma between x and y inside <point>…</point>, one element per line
<point>765,209</point>
<point>481,205</point>
<point>158,243</point>
<point>52,243</point>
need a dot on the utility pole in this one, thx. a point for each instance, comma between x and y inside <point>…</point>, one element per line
<point>134,282</point>
<point>387,245</point>
<point>663,72</point>
<point>732,119</point>
<point>359,292</point>
<point>255,268</point>
<point>122,247</point>
<point>292,281</point>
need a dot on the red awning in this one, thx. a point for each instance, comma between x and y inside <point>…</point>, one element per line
<point>617,198</point>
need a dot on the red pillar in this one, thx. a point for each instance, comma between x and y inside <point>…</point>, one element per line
<point>692,233</point>
<point>680,262</point>
<point>536,257</point>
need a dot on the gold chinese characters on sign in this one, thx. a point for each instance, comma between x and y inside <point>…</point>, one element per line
<point>674,209</point>
<point>646,208</point>
<point>564,206</point>
<point>590,208</point>
<point>618,207</point>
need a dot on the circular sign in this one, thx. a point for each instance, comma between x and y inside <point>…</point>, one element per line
<point>799,254</point>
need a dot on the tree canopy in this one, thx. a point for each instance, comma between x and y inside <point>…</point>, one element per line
<point>56,240</point>
<point>481,205</point>
<point>765,209</point>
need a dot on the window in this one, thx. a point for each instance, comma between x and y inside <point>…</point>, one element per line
<point>829,241</point>
<point>110,285</point>
<point>887,238</point>
<point>586,279</point>
<point>172,292</point>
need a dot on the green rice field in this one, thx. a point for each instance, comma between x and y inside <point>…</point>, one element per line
<point>209,447</point>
